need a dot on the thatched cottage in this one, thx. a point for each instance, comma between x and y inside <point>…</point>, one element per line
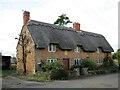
<point>41,42</point>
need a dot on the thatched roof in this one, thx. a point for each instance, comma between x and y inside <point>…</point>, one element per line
<point>66,38</point>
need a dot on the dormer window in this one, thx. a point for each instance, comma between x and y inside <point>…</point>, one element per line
<point>77,49</point>
<point>52,48</point>
<point>98,50</point>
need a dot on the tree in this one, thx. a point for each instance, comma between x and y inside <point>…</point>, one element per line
<point>108,61</point>
<point>62,20</point>
<point>14,60</point>
<point>23,41</point>
<point>116,55</point>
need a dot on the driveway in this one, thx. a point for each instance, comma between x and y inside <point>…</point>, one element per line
<point>101,81</point>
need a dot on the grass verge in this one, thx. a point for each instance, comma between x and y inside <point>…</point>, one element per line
<point>7,71</point>
<point>34,78</point>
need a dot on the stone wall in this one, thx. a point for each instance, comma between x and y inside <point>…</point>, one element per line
<point>29,54</point>
<point>43,55</point>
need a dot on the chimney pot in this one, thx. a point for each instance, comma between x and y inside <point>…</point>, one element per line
<point>26,17</point>
<point>76,26</point>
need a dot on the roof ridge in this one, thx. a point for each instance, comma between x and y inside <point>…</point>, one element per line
<point>35,22</point>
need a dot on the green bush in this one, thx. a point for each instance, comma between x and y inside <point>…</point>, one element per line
<point>108,61</point>
<point>13,66</point>
<point>89,64</point>
<point>54,66</point>
<point>60,74</point>
<point>76,66</point>
<point>56,70</point>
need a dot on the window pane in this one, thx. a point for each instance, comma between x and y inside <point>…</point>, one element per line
<point>98,50</point>
<point>50,47</point>
<point>78,49</point>
<point>99,60</point>
<point>54,47</point>
<point>77,62</point>
<point>51,60</point>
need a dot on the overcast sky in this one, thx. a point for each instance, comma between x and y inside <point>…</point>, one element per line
<point>98,16</point>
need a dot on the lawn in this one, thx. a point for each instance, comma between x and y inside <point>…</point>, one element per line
<point>25,77</point>
<point>7,71</point>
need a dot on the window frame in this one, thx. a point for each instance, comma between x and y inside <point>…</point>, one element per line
<point>77,61</point>
<point>99,60</point>
<point>50,60</point>
<point>77,49</point>
<point>97,51</point>
<point>53,48</point>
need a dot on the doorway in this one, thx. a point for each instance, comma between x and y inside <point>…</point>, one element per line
<point>66,63</point>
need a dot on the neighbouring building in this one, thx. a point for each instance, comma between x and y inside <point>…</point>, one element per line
<point>41,42</point>
<point>6,64</point>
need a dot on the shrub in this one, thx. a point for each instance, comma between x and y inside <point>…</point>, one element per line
<point>77,66</point>
<point>56,70</point>
<point>54,66</point>
<point>13,66</point>
<point>60,74</point>
<point>89,64</point>
<point>107,61</point>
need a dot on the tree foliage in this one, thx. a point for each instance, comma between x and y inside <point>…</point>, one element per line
<point>89,64</point>
<point>14,60</point>
<point>56,70</point>
<point>54,66</point>
<point>62,20</point>
<point>116,55</point>
<point>108,61</point>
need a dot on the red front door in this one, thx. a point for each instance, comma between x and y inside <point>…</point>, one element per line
<point>66,63</point>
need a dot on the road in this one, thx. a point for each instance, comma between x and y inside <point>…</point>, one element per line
<point>101,81</point>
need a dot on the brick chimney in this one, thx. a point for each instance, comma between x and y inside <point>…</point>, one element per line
<point>26,17</point>
<point>76,26</point>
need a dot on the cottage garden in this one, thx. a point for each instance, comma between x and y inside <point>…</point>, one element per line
<point>55,70</point>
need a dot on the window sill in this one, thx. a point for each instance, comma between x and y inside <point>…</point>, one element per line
<point>99,63</point>
<point>51,51</point>
<point>77,52</point>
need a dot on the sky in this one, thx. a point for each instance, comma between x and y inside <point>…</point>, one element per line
<point>98,16</point>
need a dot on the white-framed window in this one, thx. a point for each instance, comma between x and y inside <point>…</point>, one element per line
<point>50,60</point>
<point>77,49</point>
<point>98,50</point>
<point>99,60</point>
<point>77,61</point>
<point>52,48</point>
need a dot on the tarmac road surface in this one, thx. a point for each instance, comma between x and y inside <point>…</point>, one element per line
<point>100,81</point>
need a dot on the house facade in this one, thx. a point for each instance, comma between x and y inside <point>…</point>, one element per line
<point>41,42</point>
